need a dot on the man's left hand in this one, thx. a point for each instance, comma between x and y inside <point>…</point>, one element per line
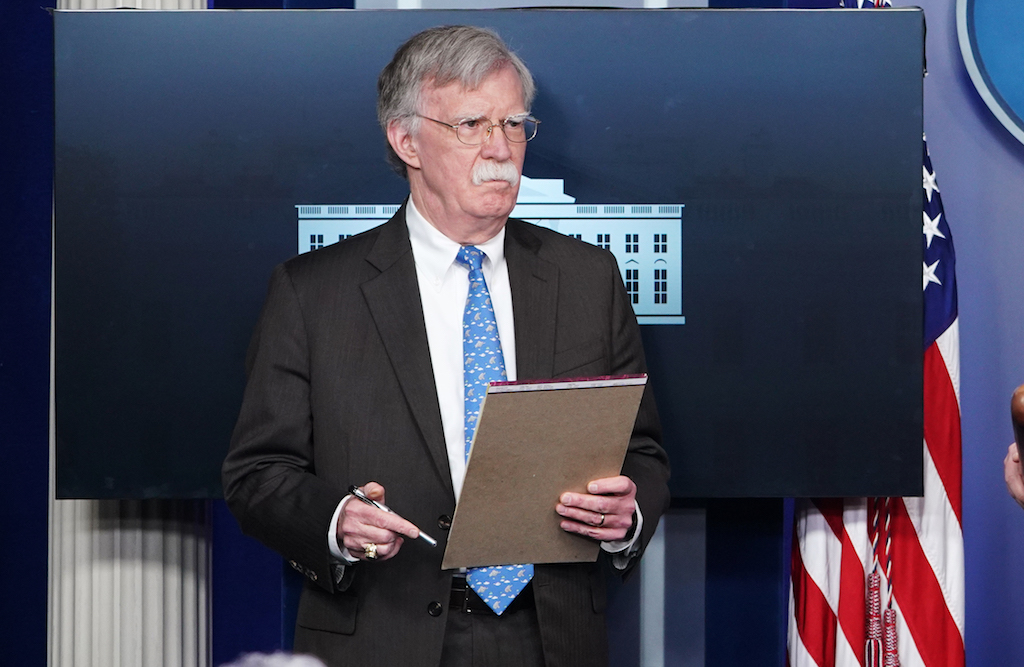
<point>605,513</point>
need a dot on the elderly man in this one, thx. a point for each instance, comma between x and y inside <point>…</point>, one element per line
<point>358,376</point>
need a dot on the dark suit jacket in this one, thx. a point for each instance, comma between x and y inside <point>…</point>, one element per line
<point>341,391</point>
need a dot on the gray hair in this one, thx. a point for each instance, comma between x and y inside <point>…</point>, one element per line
<point>439,56</point>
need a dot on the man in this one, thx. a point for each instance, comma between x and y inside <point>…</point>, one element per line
<point>358,376</point>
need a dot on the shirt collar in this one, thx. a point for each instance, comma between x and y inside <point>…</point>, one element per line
<point>435,253</point>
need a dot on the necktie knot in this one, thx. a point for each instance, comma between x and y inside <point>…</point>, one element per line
<point>470,256</point>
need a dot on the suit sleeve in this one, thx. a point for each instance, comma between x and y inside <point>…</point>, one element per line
<point>646,462</point>
<point>268,475</point>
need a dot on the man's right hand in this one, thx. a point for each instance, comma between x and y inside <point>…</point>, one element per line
<point>361,524</point>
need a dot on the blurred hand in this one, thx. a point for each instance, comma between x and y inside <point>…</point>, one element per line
<point>1013,475</point>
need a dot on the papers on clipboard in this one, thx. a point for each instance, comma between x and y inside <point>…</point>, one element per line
<point>535,441</point>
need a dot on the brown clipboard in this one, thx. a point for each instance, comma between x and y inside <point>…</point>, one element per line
<point>535,441</point>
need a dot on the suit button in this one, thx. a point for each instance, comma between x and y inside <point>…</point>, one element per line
<point>434,608</point>
<point>444,522</point>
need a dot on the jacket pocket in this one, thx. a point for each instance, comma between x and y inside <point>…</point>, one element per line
<point>320,610</point>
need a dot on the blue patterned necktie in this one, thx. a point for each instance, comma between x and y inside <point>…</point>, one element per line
<point>484,362</point>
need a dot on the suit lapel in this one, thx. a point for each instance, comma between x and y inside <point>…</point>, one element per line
<point>393,298</point>
<point>534,284</point>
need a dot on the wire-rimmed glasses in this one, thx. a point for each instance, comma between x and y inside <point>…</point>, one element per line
<point>475,131</point>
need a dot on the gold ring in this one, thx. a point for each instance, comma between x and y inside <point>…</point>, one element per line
<point>601,523</point>
<point>370,551</point>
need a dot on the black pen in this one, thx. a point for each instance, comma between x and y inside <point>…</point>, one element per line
<point>358,493</point>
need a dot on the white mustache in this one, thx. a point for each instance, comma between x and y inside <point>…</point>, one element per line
<point>489,170</point>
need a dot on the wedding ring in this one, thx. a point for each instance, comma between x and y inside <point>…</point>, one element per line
<point>601,523</point>
<point>370,551</point>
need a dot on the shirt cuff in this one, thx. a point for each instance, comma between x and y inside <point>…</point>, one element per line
<point>624,550</point>
<point>339,552</point>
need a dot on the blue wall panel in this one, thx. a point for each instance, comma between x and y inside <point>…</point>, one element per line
<point>26,168</point>
<point>246,592</point>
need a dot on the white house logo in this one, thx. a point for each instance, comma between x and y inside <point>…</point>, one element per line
<point>646,239</point>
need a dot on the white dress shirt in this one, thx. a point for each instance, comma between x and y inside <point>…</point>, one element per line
<point>444,286</point>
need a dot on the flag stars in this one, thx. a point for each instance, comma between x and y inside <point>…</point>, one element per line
<point>929,182</point>
<point>931,228</point>
<point>929,275</point>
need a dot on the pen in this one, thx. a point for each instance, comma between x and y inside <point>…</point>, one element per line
<point>358,493</point>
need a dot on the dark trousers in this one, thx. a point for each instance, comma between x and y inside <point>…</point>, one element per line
<point>483,639</point>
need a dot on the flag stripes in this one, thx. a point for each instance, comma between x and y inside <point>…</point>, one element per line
<point>915,586</point>
<point>814,619</point>
<point>942,426</point>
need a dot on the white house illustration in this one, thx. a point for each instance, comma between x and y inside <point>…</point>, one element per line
<point>646,239</point>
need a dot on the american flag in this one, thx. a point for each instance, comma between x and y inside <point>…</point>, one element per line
<point>879,582</point>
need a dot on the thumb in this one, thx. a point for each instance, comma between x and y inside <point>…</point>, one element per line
<point>374,491</point>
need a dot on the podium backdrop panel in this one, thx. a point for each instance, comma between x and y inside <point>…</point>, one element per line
<point>756,173</point>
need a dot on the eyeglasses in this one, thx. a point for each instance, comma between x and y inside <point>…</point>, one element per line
<point>475,131</point>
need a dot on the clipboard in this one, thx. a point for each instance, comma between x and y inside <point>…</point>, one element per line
<point>535,441</point>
